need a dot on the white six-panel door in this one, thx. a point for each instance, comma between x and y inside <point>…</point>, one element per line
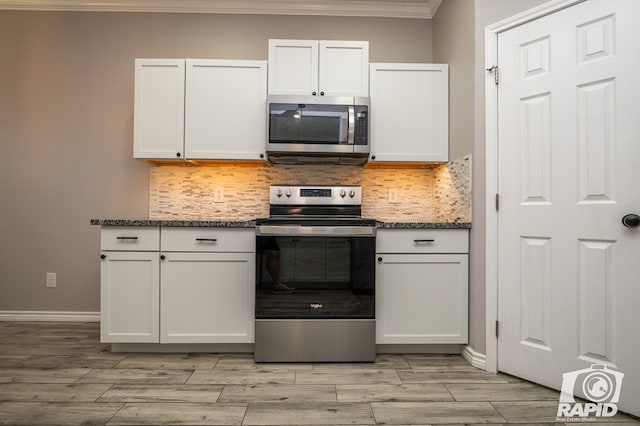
<point>569,166</point>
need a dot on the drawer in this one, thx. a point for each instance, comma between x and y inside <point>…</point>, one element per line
<point>422,241</point>
<point>130,238</point>
<point>209,240</point>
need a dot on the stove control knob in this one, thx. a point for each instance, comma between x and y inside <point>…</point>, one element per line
<point>288,193</point>
<point>352,193</point>
<point>279,193</point>
<point>343,193</point>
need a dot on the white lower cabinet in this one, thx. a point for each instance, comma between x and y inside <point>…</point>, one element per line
<point>177,285</point>
<point>129,285</point>
<point>421,295</point>
<point>207,297</point>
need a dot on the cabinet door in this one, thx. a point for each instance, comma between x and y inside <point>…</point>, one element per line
<point>225,109</point>
<point>293,67</point>
<point>207,298</point>
<point>158,123</point>
<point>409,112</point>
<point>129,297</point>
<point>422,298</point>
<point>344,68</point>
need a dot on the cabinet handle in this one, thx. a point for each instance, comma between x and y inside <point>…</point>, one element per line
<point>313,93</point>
<point>178,154</point>
<point>321,93</point>
<point>373,157</point>
<point>380,259</point>
<point>209,240</point>
<point>103,256</point>
<point>126,238</point>
<point>261,155</point>
<point>423,241</point>
<point>163,257</point>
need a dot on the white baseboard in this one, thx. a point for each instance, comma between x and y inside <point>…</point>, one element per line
<point>476,359</point>
<point>49,316</point>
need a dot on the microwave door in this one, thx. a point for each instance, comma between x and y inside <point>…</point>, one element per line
<point>302,124</point>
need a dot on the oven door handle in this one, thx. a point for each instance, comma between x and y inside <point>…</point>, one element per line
<point>316,231</point>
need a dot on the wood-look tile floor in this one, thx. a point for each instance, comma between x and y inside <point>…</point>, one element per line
<point>59,373</point>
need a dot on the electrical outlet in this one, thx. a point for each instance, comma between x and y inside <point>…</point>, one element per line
<point>218,194</point>
<point>393,195</point>
<point>51,279</point>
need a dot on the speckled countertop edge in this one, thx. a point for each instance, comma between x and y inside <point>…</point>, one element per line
<point>252,223</point>
<point>424,225</point>
<point>175,223</point>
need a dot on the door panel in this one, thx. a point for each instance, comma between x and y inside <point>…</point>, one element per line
<point>207,298</point>
<point>568,164</point>
<point>129,297</point>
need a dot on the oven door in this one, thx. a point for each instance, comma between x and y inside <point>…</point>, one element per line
<point>330,271</point>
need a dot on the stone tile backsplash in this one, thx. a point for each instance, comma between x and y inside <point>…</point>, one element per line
<point>435,193</point>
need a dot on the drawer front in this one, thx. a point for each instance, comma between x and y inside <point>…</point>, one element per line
<point>208,240</point>
<point>130,238</point>
<point>422,241</point>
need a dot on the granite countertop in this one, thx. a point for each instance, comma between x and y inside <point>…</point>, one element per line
<point>175,223</point>
<point>424,225</point>
<point>252,223</point>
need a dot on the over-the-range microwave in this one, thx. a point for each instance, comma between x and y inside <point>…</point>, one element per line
<point>318,129</point>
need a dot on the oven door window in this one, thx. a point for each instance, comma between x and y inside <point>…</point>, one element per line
<point>329,277</point>
<point>308,124</point>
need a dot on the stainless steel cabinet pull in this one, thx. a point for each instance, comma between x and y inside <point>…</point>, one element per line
<point>210,240</point>
<point>423,241</point>
<point>126,238</point>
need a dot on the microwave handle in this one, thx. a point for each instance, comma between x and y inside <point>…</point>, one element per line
<point>352,125</point>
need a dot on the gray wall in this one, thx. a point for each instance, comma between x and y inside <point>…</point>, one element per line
<point>66,114</point>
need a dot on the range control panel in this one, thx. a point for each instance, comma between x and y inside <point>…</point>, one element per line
<point>343,195</point>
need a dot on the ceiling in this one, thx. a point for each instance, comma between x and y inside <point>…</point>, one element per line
<point>422,9</point>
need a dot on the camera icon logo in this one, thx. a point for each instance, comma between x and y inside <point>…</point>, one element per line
<point>598,383</point>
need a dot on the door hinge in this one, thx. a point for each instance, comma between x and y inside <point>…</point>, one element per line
<point>496,73</point>
<point>497,202</point>
<point>497,328</point>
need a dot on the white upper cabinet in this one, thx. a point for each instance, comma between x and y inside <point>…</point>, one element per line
<point>225,109</point>
<point>158,124</point>
<point>409,112</point>
<point>293,67</point>
<point>200,109</point>
<point>324,68</point>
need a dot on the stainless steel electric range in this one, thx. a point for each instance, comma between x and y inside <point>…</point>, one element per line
<point>315,277</point>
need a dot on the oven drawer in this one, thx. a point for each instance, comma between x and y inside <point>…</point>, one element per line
<point>422,241</point>
<point>208,240</point>
<point>130,238</point>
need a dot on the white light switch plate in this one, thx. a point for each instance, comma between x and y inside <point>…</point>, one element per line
<point>218,194</point>
<point>393,195</point>
<point>51,279</point>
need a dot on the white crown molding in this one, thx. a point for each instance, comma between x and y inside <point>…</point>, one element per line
<point>423,9</point>
<point>49,316</point>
